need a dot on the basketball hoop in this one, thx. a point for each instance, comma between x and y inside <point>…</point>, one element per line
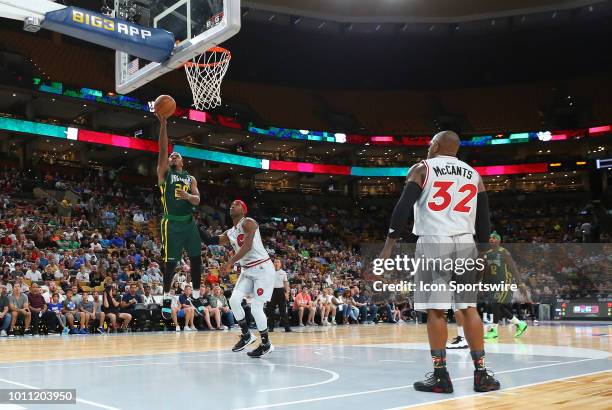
<point>205,74</point>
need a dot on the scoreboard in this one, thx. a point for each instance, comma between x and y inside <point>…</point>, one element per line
<point>584,309</point>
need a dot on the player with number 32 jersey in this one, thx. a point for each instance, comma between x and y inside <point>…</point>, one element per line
<point>447,204</point>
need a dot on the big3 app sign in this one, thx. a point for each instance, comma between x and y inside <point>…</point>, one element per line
<point>152,44</point>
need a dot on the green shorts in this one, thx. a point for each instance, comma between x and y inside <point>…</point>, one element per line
<point>178,236</point>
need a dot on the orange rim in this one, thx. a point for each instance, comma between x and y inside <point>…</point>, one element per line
<point>212,50</point>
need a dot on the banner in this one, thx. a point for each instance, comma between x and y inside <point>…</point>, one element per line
<point>145,42</point>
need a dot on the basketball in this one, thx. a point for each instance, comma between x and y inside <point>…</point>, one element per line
<point>165,106</point>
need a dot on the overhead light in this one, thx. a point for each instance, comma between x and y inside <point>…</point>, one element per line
<point>84,105</point>
<point>271,17</point>
<point>321,25</point>
<point>14,95</point>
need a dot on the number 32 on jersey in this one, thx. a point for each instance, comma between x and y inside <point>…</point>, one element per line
<point>442,198</point>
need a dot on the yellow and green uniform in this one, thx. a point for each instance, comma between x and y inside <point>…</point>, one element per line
<point>178,229</point>
<point>498,271</point>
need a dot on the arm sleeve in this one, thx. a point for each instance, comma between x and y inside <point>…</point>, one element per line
<point>207,238</point>
<point>403,209</point>
<point>483,223</point>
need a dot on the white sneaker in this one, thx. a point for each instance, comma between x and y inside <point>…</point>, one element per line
<point>334,322</point>
<point>457,343</point>
<point>188,329</point>
<point>225,327</point>
<point>178,328</point>
<point>3,333</point>
<point>193,329</point>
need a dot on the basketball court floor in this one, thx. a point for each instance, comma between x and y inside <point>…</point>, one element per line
<point>363,367</point>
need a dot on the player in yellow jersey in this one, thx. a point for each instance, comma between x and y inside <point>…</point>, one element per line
<point>502,269</point>
<point>179,195</point>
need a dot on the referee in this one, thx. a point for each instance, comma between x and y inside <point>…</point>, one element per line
<point>280,296</point>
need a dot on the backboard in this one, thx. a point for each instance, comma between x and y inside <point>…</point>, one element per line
<point>197,25</point>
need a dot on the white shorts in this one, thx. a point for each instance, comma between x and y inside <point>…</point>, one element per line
<point>444,248</point>
<point>257,281</point>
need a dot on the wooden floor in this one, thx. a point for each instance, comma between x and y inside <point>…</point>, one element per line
<point>586,392</point>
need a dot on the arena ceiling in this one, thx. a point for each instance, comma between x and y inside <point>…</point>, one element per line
<point>412,11</point>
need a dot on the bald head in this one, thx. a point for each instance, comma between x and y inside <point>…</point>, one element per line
<point>444,143</point>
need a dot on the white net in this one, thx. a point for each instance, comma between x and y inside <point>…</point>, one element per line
<point>205,74</point>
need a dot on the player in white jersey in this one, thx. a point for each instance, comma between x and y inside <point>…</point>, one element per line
<point>256,279</point>
<point>450,206</point>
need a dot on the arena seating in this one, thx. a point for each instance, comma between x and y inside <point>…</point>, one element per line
<point>477,111</point>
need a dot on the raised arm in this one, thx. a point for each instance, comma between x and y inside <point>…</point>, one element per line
<point>162,158</point>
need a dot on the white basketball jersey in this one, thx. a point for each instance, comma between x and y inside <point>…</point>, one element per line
<point>257,253</point>
<point>447,204</point>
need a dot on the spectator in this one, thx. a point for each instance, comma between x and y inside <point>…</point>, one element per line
<point>20,308</point>
<point>367,311</point>
<point>186,305</point>
<point>33,274</point>
<point>5,316</point>
<point>57,318</point>
<point>219,301</point>
<point>157,289</point>
<point>92,307</point>
<point>332,304</point>
<point>110,308</point>
<point>83,275</point>
<point>302,302</point>
<point>204,309</point>
<point>71,310</point>
<point>349,309</point>
<point>129,302</point>
<point>153,308</point>
<point>38,307</point>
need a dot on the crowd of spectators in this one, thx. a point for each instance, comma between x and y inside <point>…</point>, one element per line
<point>84,257</point>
